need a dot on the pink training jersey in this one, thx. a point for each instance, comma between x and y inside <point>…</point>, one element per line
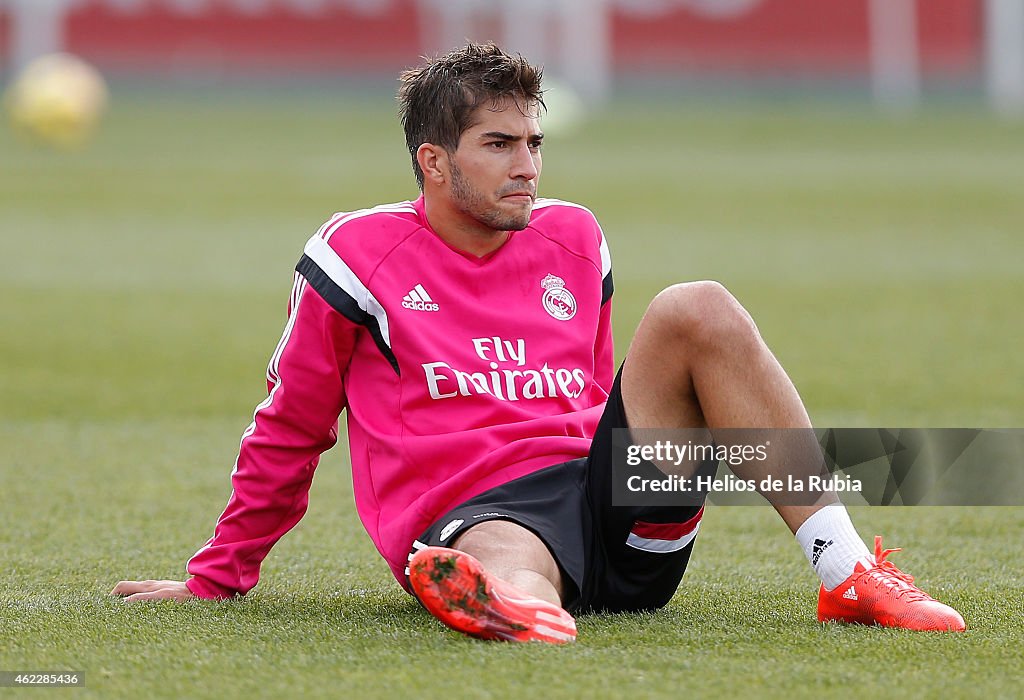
<point>459,374</point>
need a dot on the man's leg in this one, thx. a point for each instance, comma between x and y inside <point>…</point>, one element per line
<point>503,564</point>
<point>516,555</point>
<point>697,360</point>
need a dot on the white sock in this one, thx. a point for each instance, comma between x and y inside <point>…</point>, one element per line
<point>832,545</point>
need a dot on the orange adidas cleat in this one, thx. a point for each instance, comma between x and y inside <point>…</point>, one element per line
<point>884,595</point>
<point>455,589</point>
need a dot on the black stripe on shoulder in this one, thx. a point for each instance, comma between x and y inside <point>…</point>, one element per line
<point>607,287</point>
<point>342,302</point>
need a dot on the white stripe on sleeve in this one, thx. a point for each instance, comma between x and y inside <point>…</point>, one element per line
<point>320,252</point>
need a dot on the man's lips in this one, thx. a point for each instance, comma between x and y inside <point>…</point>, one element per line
<point>519,197</point>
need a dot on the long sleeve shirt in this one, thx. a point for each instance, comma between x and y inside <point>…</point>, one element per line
<point>458,374</point>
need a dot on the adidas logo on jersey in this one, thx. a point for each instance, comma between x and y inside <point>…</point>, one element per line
<point>418,300</point>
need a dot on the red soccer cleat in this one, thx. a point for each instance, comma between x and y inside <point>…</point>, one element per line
<point>884,595</point>
<point>455,589</point>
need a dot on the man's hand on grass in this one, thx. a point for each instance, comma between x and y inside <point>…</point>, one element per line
<point>135,591</point>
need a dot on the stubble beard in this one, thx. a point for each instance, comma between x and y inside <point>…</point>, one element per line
<point>473,203</point>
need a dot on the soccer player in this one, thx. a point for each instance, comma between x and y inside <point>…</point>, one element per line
<point>467,333</point>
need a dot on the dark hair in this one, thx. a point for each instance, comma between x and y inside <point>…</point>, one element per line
<point>437,100</point>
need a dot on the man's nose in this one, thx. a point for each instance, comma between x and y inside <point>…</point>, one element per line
<point>524,165</point>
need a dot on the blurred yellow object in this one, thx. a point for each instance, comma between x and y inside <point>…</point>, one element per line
<point>58,100</point>
<point>565,108</point>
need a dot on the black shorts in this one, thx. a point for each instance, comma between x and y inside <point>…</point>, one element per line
<point>613,558</point>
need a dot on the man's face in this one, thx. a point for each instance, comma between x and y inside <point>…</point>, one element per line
<point>495,169</point>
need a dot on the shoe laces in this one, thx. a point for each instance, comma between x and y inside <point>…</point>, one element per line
<point>887,574</point>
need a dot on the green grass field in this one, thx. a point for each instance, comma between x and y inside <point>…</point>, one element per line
<point>143,287</point>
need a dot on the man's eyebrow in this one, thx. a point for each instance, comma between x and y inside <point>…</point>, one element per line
<point>502,136</point>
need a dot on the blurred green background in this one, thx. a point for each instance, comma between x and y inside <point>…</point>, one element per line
<point>147,275</point>
<point>144,281</point>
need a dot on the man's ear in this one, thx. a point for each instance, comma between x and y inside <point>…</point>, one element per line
<point>433,161</point>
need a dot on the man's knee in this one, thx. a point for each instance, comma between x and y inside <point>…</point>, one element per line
<point>515,554</point>
<point>703,315</point>
<point>507,542</point>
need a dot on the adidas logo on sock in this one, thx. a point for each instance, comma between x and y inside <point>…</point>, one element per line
<point>850,594</point>
<point>418,300</point>
<point>818,549</point>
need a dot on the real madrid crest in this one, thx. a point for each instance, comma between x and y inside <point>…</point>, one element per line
<point>557,300</point>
